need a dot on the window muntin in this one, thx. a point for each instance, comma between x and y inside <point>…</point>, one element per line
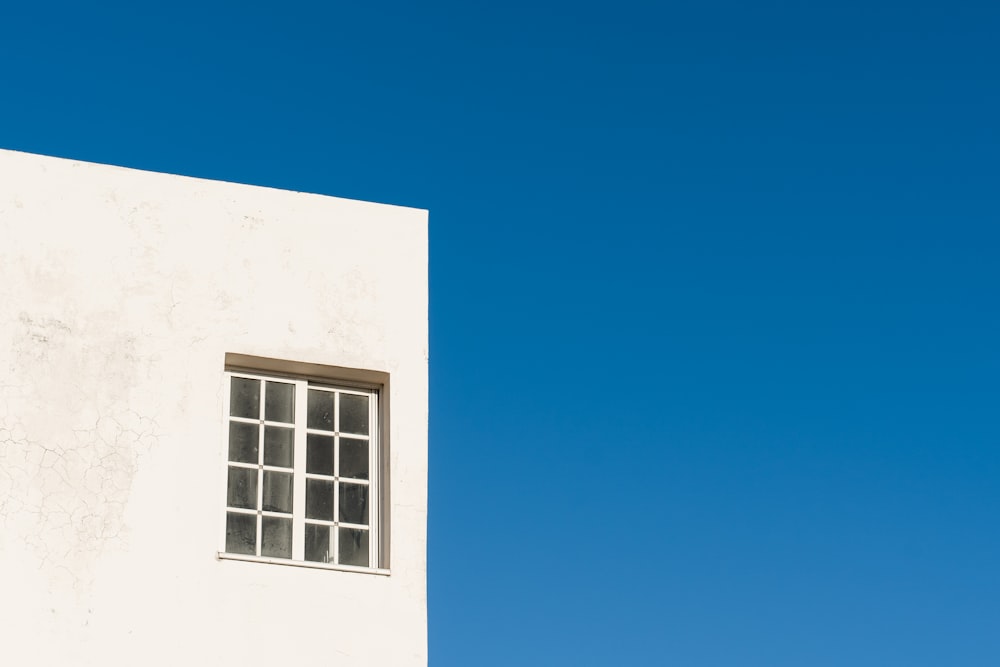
<point>301,471</point>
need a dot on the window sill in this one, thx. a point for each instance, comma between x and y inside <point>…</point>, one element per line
<point>304,563</point>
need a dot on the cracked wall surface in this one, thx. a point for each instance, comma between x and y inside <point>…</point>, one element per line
<point>120,294</point>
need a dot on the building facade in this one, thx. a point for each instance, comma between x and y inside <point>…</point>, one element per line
<point>213,422</point>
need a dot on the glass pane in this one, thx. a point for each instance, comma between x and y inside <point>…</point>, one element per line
<point>242,488</point>
<point>277,496</point>
<point>244,398</point>
<point>354,458</point>
<point>318,544</point>
<point>241,533</point>
<point>275,537</point>
<point>279,402</point>
<point>319,454</point>
<point>279,446</point>
<point>353,547</point>
<point>354,503</point>
<point>320,413</point>
<point>319,499</point>
<point>354,414</point>
<point>243,442</point>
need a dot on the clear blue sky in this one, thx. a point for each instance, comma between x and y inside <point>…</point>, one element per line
<point>714,316</point>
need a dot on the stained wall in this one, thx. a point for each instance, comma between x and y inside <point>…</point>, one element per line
<point>121,292</point>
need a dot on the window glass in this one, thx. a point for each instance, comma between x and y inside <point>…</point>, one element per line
<point>276,537</point>
<point>319,454</point>
<point>353,503</point>
<point>242,488</point>
<point>243,442</point>
<point>279,406</point>
<point>354,414</point>
<point>353,547</point>
<point>320,413</point>
<point>244,398</point>
<point>241,533</point>
<point>277,492</point>
<point>319,499</point>
<point>353,458</point>
<point>301,482</point>
<point>279,446</point>
<point>318,543</point>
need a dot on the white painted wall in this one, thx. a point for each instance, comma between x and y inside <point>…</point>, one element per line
<point>121,291</point>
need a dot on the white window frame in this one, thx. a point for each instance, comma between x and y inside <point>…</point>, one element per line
<point>376,516</point>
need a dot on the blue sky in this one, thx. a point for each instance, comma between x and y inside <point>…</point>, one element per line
<point>714,315</point>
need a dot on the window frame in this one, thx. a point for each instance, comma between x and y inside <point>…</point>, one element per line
<point>306,377</point>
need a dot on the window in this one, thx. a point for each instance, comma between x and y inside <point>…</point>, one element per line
<point>303,471</point>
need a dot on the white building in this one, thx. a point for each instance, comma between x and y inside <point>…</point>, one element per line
<point>213,422</point>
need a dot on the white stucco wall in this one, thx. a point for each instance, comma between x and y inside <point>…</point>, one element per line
<point>121,291</point>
